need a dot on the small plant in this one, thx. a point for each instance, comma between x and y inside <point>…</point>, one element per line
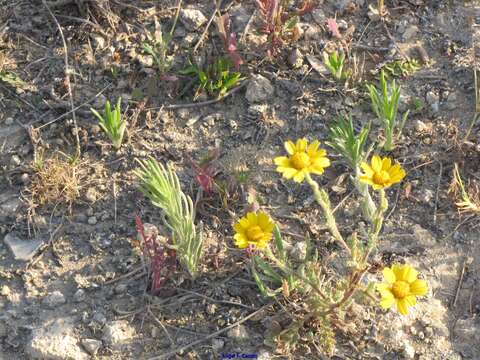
<point>278,23</point>
<point>216,79</point>
<point>335,64</point>
<point>158,43</point>
<point>343,138</point>
<point>159,260</point>
<point>317,299</point>
<point>229,40</point>
<point>112,123</point>
<point>162,187</point>
<point>401,68</point>
<point>469,201</point>
<point>205,171</point>
<point>385,105</point>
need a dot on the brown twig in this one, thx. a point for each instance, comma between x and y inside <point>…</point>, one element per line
<point>435,207</point>
<point>212,335</point>
<point>218,4</point>
<point>460,282</point>
<point>199,104</point>
<point>67,77</point>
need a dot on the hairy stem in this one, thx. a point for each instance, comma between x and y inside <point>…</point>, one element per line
<point>321,197</point>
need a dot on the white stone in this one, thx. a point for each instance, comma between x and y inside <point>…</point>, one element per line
<point>91,345</point>
<point>192,19</point>
<point>55,299</point>
<point>55,341</point>
<point>238,333</point>
<point>23,250</point>
<point>117,332</point>
<point>259,89</point>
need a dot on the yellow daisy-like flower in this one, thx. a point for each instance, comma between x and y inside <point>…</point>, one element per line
<point>381,173</point>
<point>401,286</point>
<point>253,229</point>
<point>303,159</point>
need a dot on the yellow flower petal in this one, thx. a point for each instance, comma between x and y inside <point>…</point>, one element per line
<point>400,271</point>
<point>301,145</point>
<point>376,163</point>
<point>384,290</point>
<point>402,306</point>
<point>419,288</point>
<point>411,275</point>
<point>410,300</point>
<point>239,228</point>
<point>252,218</point>
<point>288,173</point>
<point>282,161</point>
<point>389,275</point>
<point>321,162</point>
<point>368,171</point>
<point>299,176</point>
<point>313,148</point>
<point>241,241</point>
<point>290,147</point>
<point>386,303</point>
<point>386,164</point>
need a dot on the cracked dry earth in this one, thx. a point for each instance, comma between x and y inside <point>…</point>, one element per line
<point>71,279</point>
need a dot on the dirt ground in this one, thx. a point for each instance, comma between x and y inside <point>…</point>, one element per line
<point>81,292</point>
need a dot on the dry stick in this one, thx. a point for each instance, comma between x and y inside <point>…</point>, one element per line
<point>218,4</point>
<point>199,104</point>
<point>67,77</point>
<point>436,194</point>
<point>216,333</point>
<point>215,300</point>
<point>460,282</point>
<point>161,325</point>
<point>69,112</point>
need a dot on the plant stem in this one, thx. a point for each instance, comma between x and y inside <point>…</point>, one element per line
<point>368,205</point>
<point>287,270</point>
<point>322,199</point>
<point>376,225</point>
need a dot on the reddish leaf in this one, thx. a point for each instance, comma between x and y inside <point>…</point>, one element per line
<point>333,27</point>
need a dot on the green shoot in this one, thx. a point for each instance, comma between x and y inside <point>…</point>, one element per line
<point>111,122</point>
<point>335,64</point>
<point>158,43</point>
<point>344,140</point>
<point>385,105</point>
<point>216,79</point>
<point>162,187</point>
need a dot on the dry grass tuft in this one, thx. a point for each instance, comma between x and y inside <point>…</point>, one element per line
<point>467,199</point>
<point>57,180</point>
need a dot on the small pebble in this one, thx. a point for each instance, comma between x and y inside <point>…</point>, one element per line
<point>92,220</point>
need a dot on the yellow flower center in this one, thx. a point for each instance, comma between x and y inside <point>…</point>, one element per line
<point>400,289</point>
<point>300,160</point>
<point>381,178</point>
<point>255,233</point>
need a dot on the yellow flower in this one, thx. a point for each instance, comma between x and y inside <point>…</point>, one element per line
<point>381,173</point>
<point>303,159</point>
<point>253,229</point>
<point>401,286</point>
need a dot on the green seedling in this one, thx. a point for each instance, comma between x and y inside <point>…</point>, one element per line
<point>385,106</point>
<point>161,185</point>
<point>335,64</point>
<point>216,79</point>
<point>112,123</point>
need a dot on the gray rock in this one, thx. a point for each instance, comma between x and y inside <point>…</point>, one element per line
<point>192,19</point>
<point>79,295</point>
<point>317,65</point>
<point>9,203</point>
<point>259,89</point>
<point>91,345</point>
<point>55,299</point>
<point>121,288</point>
<point>92,220</point>
<point>433,100</point>
<point>295,59</point>
<point>238,333</point>
<point>23,250</point>
<point>299,251</point>
<point>15,160</point>
<point>408,351</point>
<point>240,18</point>
<point>319,16</point>
<point>217,344</point>
<point>467,338</point>
<point>9,121</point>
<point>410,32</point>
<point>55,341</point>
<point>117,332</point>
<point>99,318</point>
